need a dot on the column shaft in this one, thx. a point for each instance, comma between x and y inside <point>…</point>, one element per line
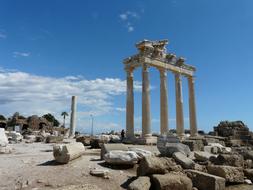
<point>179,106</point>
<point>73,117</point>
<point>163,102</point>
<point>130,105</point>
<point>146,120</point>
<point>192,107</point>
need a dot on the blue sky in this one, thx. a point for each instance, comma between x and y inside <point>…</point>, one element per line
<point>52,49</point>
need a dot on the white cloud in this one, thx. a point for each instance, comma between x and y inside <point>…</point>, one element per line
<point>21,54</point>
<point>120,109</point>
<point>33,94</point>
<point>128,19</point>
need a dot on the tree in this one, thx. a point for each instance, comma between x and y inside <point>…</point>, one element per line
<point>49,117</point>
<point>64,114</point>
<point>2,117</point>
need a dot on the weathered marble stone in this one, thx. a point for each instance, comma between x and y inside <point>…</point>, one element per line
<point>105,148</point>
<point>100,173</point>
<point>248,155</point>
<point>248,173</point>
<point>171,181</point>
<point>141,183</point>
<point>14,136</point>
<point>156,165</point>
<point>231,174</point>
<point>3,138</point>
<point>167,149</point>
<point>141,152</point>
<point>202,156</point>
<point>183,160</point>
<point>194,145</point>
<point>54,139</point>
<point>66,152</point>
<point>84,139</point>
<point>204,181</point>
<point>230,160</point>
<point>118,157</point>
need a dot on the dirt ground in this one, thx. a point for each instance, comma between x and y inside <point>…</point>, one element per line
<point>32,167</point>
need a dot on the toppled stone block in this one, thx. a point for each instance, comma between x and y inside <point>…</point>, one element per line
<point>248,155</point>
<point>118,157</point>
<point>140,152</point>
<point>105,148</point>
<point>231,174</point>
<point>141,183</point>
<point>54,139</point>
<point>202,156</point>
<point>3,138</point>
<point>157,165</point>
<point>167,149</point>
<point>204,181</point>
<point>171,181</point>
<point>14,136</point>
<point>194,145</point>
<point>248,173</point>
<point>183,160</point>
<point>230,160</point>
<point>67,152</point>
<point>83,139</point>
<point>115,139</point>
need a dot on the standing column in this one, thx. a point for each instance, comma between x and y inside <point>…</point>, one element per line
<point>192,107</point>
<point>179,106</point>
<point>130,105</point>
<point>163,102</point>
<point>73,117</point>
<point>146,129</point>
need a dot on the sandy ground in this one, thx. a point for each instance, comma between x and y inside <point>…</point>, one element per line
<point>32,167</point>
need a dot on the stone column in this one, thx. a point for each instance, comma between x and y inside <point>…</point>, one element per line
<point>73,117</point>
<point>130,105</point>
<point>146,120</point>
<point>192,107</point>
<point>179,106</point>
<point>163,102</point>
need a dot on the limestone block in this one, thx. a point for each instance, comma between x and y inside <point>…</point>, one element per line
<point>230,160</point>
<point>183,160</point>
<point>3,138</point>
<point>66,152</point>
<point>30,138</point>
<point>14,136</point>
<point>202,156</point>
<point>83,139</point>
<point>231,174</point>
<point>167,149</point>
<point>118,157</point>
<point>115,139</point>
<point>141,183</point>
<point>54,139</point>
<point>194,145</point>
<point>204,181</point>
<point>248,155</point>
<point>171,181</point>
<point>105,148</point>
<point>248,173</point>
<point>157,165</point>
<point>140,152</point>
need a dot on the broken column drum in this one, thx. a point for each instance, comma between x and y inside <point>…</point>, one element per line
<point>154,54</point>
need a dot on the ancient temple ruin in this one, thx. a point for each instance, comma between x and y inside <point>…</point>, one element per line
<point>154,54</point>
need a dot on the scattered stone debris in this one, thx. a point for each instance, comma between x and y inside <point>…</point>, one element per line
<point>100,173</point>
<point>105,148</point>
